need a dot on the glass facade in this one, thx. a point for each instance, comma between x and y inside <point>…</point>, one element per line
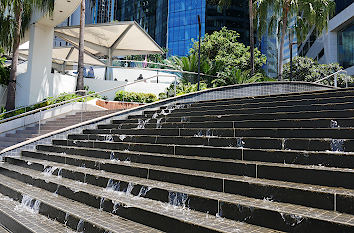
<point>183,24</point>
<point>151,15</point>
<point>346,46</point>
<point>234,17</point>
<point>342,4</point>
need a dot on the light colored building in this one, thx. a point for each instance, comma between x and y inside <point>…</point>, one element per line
<point>337,44</point>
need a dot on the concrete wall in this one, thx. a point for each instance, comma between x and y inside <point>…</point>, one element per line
<point>57,83</point>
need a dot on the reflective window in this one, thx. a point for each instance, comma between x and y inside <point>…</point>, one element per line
<point>183,24</point>
<point>346,46</point>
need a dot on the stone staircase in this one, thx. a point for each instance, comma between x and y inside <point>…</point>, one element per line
<point>278,163</point>
<point>21,135</point>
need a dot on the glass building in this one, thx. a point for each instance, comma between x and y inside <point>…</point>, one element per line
<point>346,46</point>
<point>171,23</point>
<point>183,22</point>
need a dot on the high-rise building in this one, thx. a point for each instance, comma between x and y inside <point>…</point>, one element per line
<point>183,21</point>
<point>172,23</point>
<point>336,45</point>
<point>270,46</point>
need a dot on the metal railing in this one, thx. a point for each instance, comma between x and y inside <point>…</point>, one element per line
<point>335,76</point>
<point>84,103</point>
<point>43,101</point>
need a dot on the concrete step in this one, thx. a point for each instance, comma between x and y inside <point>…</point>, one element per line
<point>229,206</point>
<point>273,98</point>
<point>260,109</point>
<point>308,144</point>
<point>69,212</point>
<point>280,191</point>
<point>265,116</point>
<point>254,104</point>
<point>130,206</point>
<point>334,133</point>
<point>331,159</point>
<point>292,172</point>
<point>16,218</point>
<point>283,123</point>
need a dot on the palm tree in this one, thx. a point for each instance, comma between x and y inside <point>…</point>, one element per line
<point>15,16</point>
<point>80,67</point>
<point>309,14</point>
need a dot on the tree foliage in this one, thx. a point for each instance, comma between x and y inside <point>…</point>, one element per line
<point>308,13</point>
<point>308,70</point>
<point>225,52</point>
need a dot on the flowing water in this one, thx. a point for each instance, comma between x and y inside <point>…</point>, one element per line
<point>122,137</point>
<point>178,199</point>
<point>129,189</point>
<point>80,226</point>
<point>101,203</point>
<point>239,143</point>
<point>142,123</point>
<point>158,123</point>
<point>108,138</point>
<point>337,145</point>
<point>291,219</point>
<point>143,191</point>
<point>28,204</point>
<point>48,171</point>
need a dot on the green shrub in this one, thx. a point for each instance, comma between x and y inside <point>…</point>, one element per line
<point>181,89</point>
<point>135,97</point>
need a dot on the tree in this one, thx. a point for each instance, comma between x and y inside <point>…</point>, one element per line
<point>308,70</point>
<point>309,14</point>
<point>224,52</point>
<point>227,3</point>
<point>80,67</point>
<point>15,17</point>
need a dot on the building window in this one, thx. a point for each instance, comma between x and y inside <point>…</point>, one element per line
<point>346,46</point>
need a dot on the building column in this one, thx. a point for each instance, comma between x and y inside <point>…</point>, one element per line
<point>37,82</point>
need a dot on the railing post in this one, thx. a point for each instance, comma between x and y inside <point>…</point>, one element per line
<point>175,85</point>
<point>157,77</point>
<point>39,122</point>
<point>335,80</point>
<point>346,81</point>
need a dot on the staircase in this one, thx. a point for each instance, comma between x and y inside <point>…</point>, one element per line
<point>48,126</point>
<point>278,163</point>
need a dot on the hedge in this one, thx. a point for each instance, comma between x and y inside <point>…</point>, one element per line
<point>135,97</point>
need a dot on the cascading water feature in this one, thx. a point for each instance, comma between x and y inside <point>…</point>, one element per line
<point>239,143</point>
<point>80,226</point>
<point>337,145</point>
<point>101,203</point>
<point>28,204</point>
<point>178,199</point>
<point>108,138</point>
<point>112,186</point>
<point>291,219</point>
<point>122,137</point>
<point>142,123</point>
<point>48,171</point>
<point>158,123</point>
<point>129,189</point>
<point>143,191</point>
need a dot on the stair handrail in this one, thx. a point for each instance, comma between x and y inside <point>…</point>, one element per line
<point>43,101</point>
<point>83,97</point>
<point>335,75</point>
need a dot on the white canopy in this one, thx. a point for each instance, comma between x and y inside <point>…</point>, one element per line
<point>111,39</point>
<point>69,55</point>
